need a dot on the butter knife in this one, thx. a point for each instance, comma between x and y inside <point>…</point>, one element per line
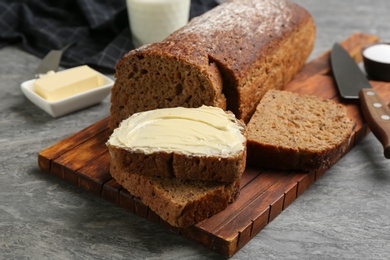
<point>51,61</point>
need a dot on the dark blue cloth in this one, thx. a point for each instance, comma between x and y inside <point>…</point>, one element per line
<point>99,28</point>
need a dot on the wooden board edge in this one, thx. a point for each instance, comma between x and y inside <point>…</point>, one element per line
<point>320,64</point>
<point>47,155</point>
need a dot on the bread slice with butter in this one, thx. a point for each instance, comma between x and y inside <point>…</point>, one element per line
<point>204,143</point>
<point>185,164</point>
<point>297,132</point>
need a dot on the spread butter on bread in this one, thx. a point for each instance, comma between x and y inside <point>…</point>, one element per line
<point>204,143</point>
<point>185,164</point>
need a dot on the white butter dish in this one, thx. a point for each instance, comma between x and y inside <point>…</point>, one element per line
<point>70,104</point>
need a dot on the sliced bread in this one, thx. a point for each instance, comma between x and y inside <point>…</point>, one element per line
<point>297,132</point>
<point>204,143</point>
<point>179,202</point>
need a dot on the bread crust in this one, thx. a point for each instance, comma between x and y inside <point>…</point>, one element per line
<point>181,203</point>
<point>285,158</point>
<point>228,57</point>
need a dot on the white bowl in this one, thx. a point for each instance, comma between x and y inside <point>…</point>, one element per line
<point>376,59</point>
<point>70,104</point>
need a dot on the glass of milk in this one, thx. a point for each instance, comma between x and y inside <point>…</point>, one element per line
<point>153,20</point>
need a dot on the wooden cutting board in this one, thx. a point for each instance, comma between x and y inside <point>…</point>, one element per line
<point>83,160</point>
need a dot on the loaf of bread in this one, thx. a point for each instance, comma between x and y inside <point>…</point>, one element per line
<point>228,58</point>
<point>179,202</point>
<point>204,143</point>
<point>297,132</point>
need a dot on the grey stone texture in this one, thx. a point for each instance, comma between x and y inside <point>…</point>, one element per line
<point>343,215</point>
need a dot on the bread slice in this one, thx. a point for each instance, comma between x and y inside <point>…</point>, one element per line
<point>228,58</point>
<point>204,143</point>
<point>181,203</point>
<point>297,132</point>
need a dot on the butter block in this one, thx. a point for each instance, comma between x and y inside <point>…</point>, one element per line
<point>66,83</point>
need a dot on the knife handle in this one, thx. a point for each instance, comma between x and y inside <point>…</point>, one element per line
<point>377,116</point>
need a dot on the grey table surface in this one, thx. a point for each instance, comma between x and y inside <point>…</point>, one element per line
<point>343,215</point>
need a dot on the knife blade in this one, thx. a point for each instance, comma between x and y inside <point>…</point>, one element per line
<point>51,61</point>
<point>353,84</point>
